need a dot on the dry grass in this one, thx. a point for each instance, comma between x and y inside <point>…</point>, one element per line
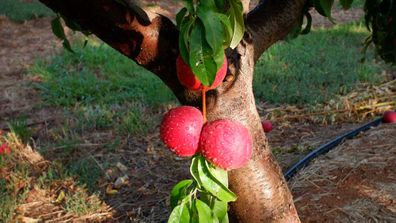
<point>39,197</point>
<point>364,103</point>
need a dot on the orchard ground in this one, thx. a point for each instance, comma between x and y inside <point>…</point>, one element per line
<point>78,124</point>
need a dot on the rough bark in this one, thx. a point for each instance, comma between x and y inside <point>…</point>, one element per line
<point>263,195</point>
<point>272,20</point>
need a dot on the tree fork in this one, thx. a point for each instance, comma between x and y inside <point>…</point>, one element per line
<point>263,195</point>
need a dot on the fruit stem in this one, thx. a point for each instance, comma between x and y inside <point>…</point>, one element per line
<point>204,103</point>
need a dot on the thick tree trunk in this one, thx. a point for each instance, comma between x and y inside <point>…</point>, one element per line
<point>263,195</point>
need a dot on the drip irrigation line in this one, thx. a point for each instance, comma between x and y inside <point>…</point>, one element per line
<point>327,147</point>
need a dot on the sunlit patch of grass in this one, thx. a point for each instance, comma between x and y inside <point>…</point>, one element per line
<point>98,75</point>
<point>80,203</point>
<point>314,68</point>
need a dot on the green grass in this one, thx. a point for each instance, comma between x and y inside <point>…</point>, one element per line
<point>20,10</point>
<point>98,75</point>
<point>314,68</point>
<point>7,202</point>
<point>20,128</point>
<point>102,89</point>
<point>87,170</point>
<point>9,196</point>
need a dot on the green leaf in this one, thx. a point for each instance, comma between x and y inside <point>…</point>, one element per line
<point>225,219</point>
<point>237,22</point>
<point>213,28</point>
<point>179,17</point>
<point>194,170</point>
<point>189,5</point>
<point>179,214</point>
<point>218,173</point>
<point>208,182</point>
<point>227,28</point>
<point>204,213</point>
<point>179,192</point>
<point>67,46</point>
<point>324,7</point>
<point>346,4</point>
<point>219,208</point>
<point>184,35</point>
<point>209,5</point>
<point>220,4</point>
<point>194,213</point>
<point>57,28</point>
<point>201,56</point>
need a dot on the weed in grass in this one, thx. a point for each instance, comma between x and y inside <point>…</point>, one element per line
<point>87,170</point>
<point>136,122</point>
<point>113,145</point>
<point>13,190</point>
<point>80,203</point>
<point>94,117</point>
<point>55,171</point>
<point>68,144</point>
<point>314,68</point>
<point>7,202</point>
<point>22,10</point>
<point>20,128</point>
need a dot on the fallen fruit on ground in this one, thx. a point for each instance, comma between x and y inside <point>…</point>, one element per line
<point>180,130</point>
<point>226,144</point>
<point>190,81</point>
<point>389,117</point>
<point>267,125</point>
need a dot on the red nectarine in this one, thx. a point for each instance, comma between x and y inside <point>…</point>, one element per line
<point>180,130</point>
<point>389,117</point>
<point>225,143</point>
<point>267,125</point>
<point>190,81</point>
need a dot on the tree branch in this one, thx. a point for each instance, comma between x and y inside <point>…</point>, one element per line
<point>149,40</point>
<point>272,20</point>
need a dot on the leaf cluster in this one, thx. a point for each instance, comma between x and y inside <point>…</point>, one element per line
<point>204,198</point>
<point>380,18</point>
<point>323,7</point>
<point>206,28</point>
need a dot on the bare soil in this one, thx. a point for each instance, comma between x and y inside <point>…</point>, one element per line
<point>20,46</point>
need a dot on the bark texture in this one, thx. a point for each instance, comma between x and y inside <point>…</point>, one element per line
<point>150,40</point>
<point>272,20</point>
<point>263,195</point>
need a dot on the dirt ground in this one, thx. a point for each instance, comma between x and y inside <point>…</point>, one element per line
<point>356,182</point>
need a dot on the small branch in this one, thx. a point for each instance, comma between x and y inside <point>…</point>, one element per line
<point>272,20</point>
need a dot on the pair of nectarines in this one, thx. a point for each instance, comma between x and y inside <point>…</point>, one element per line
<point>225,143</point>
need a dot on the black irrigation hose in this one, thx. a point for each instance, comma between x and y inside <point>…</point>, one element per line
<point>327,147</point>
